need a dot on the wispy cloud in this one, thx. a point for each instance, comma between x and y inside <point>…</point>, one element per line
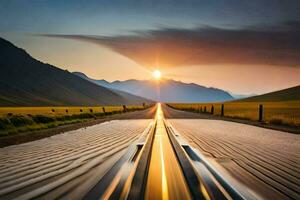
<point>277,45</point>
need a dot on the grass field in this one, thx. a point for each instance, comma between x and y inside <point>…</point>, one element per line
<point>56,111</point>
<point>22,119</point>
<point>284,112</point>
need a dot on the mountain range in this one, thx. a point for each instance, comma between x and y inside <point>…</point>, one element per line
<point>165,90</point>
<point>25,81</point>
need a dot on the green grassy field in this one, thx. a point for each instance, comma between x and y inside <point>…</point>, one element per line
<point>284,112</point>
<point>22,119</point>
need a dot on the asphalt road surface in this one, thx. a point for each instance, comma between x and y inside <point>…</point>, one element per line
<point>68,165</point>
<point>65,166</point>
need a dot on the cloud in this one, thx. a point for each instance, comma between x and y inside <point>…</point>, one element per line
<point>261,45</point>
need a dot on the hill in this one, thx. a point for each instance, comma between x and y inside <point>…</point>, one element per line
<point>166,90</point>
<point>25,81</point>
<point>289,94</point>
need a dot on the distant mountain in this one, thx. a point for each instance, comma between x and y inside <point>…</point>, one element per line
<point>289,94</point>
<point>242,96</point>
<point>100,82</point>
<point>25,81</point>
<point>166,90</point>
<point>106,84</point>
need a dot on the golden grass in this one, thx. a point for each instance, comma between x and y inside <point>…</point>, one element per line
<point>22,119</point>
<point>56,111</point>
<point>286,112</point>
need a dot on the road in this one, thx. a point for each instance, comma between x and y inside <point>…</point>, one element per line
<point>69,165</point>
<point>65,165</point>
<point>165,178</point>
<point>266,161</point>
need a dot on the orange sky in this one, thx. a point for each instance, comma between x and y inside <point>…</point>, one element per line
<point>99,62</point>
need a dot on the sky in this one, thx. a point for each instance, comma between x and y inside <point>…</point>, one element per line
<point>243,47</point>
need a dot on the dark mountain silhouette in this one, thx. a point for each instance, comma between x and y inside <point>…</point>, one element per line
<point>166,90</point>
<point>289,94</point>
<point>25,81</point>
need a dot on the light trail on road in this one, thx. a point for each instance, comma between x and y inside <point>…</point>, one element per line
<point>165,178</point>
<point>173,170</point>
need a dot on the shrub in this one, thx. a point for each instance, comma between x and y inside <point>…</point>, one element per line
<point>116,112</point>
<point>83,116</point>
<point>42,119</point>
<point>76,116</point>
<point>19,120</point>
<point>276,121</point>
<point>99,114</point>
<point>108,113</point>
<point>80,110</point>
<point>63,118</point>
<point>4,123</point>
<point>91,110</point>
<point>51,125</point>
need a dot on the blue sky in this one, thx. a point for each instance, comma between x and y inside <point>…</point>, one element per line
<point>113,16</point>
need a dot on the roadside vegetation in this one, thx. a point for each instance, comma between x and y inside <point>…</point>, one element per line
<point>278,113</point>
<point>24,119</point>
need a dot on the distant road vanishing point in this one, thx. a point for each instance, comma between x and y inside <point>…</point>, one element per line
<point>175,155</point>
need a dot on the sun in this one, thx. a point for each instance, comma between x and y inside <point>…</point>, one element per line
<point>156,74</point>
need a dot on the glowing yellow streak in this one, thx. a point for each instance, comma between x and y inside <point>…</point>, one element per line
<point>204,192</point>
<point>165,192</point>
<point>165,178</point>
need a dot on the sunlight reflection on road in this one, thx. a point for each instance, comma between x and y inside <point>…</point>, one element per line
<point>165,178</point>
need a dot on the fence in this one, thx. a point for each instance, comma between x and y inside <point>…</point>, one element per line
<point>270,112</point>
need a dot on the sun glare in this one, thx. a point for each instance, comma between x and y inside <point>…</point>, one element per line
<point>156,74</point>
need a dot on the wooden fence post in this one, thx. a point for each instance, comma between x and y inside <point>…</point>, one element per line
<point>222,110</point>
<point>212,110</point>
<point>260,113</point>
<point>205,109</point>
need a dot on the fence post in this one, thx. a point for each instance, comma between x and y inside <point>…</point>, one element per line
<point>103,110</point>
<point>222,110</point>
<point>260,113</point>
<point>212,110</point>
<point>205,109</point>
<point>201,109</point>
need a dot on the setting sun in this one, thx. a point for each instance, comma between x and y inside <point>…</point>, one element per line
<point>156,74</point>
